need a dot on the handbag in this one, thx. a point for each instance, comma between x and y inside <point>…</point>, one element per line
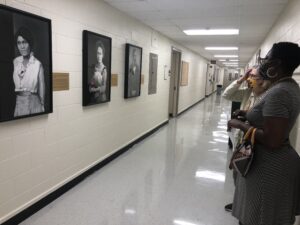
<point>242,157</point>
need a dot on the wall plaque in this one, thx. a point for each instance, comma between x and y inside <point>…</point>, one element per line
<point>60,81</point>
<point>184,74</point>
<point>114,80</point>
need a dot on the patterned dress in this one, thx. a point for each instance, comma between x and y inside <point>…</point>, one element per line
<point>270,193</point>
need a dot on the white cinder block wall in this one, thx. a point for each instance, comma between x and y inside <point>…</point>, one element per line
<point>39,154</point>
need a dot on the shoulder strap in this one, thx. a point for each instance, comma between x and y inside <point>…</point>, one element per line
<point>253,136</point>
<point>248,133</point>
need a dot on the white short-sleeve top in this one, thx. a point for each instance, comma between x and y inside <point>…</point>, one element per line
<point>26,78</point>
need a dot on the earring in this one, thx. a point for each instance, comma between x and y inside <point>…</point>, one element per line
<point>271,73</point>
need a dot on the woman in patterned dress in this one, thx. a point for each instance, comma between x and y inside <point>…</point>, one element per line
<point>270,192</point>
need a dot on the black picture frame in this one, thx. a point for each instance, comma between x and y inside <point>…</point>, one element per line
<point>96,76</point>
<point>25,64</point>
<point>133,70</point>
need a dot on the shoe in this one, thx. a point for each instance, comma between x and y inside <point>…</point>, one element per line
<point>228,207</point>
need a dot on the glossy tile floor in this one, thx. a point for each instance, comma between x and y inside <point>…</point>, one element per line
<point>177,176</point>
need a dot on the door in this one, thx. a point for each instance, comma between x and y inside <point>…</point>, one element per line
<point>174,82</point>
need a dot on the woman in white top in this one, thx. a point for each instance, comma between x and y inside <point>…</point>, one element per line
<point>28,77</point>
<point>97,84</point>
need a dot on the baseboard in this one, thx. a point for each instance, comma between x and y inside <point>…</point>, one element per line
<point>26,213</point>
<point>188,108</point>
<point>211,93</point>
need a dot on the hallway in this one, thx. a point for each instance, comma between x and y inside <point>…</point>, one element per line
<point>179,176</point>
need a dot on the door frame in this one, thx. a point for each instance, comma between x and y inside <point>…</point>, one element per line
<point>175,72</point>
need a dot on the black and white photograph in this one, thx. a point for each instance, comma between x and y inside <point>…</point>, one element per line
<point>152,85</point>
<point>133,68</point>
<point>25,64</point>
<point>96,68</point>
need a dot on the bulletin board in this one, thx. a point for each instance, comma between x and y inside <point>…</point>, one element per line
<point>184,74</point>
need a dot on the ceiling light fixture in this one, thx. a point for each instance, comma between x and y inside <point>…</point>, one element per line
<point>226,56</point>
<point>221,48</point>
<point>234,60</point>
<point>212,32</point>
<point>222,60</point>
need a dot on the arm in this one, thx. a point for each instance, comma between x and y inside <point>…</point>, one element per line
<point>93,86</point>
<point>233,92</point>
<point>93,89</point>
<point>41,85</point>
<point>272,134</point>
<point>276,121</point>
<point>103,83</point>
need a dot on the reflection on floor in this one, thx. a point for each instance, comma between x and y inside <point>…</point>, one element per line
<point>178,176</point>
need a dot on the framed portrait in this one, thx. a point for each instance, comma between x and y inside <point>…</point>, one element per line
<point>25,64</point>
<point>96,76</point>
<point>152,85</point>
<point>133,68</point>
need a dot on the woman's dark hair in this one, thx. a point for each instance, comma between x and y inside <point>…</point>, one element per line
<point>100,44</point>
<point>26,34</point>
<point>288,53</point>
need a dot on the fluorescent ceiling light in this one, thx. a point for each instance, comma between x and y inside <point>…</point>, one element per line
<point>222,60</point>
<point>234,60</point>
<point>212,32</point>
<point>221,48</point>
<point>226,56</point>
<point>130,211</point>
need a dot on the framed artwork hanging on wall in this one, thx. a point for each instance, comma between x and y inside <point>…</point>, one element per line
<point>96,76</point>
<point>152,85</point>
<point>185,74</point>
<point>25,64</point>
<point>133,68</point>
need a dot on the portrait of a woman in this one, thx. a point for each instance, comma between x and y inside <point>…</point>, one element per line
<point>96,74</point>
<point>28,76</point>
<point>97,84</point>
